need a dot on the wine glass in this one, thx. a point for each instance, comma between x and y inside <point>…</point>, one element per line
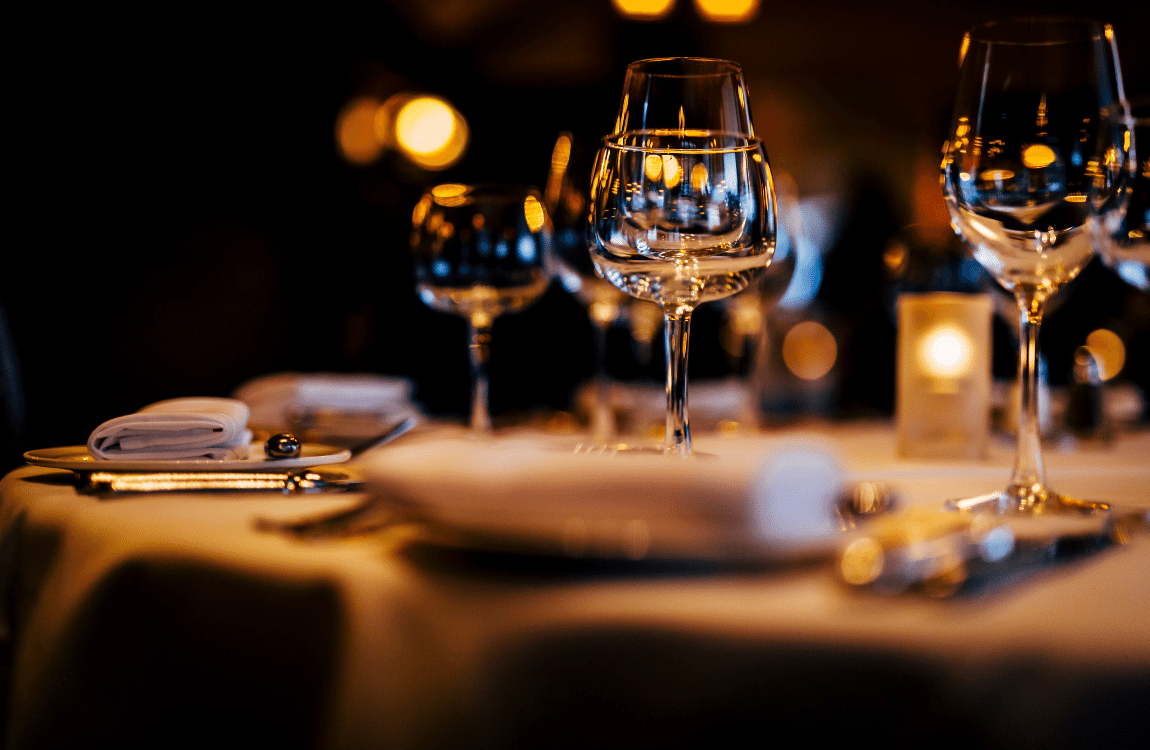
<point>1030,168</point>
<point>683,206</point>
<point>481,251</point>
<point>566,197</point>
<point>1125,246</point>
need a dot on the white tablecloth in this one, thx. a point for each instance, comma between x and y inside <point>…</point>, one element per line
<point>166,620</point>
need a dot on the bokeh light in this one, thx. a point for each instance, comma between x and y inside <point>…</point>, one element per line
<point>727,11</point>
<point>809,350</point>
<point>946,352</point>
<point>426,130</point>
<point>355,131</point>
<point>1110,351</point>
<point>644,10</point>
<point>430,133</point>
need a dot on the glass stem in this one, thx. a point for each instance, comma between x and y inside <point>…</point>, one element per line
<point>676,331</point>
<point>479,347</point>
<point>1028,481</point>
<point>603,416</point>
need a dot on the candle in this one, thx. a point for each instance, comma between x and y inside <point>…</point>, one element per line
<point>943,369</point>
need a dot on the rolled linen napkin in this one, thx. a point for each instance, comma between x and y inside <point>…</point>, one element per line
<point>179,428</point>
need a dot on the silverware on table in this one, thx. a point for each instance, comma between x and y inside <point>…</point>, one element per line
<point>941,553</point>
<point>107,483</point>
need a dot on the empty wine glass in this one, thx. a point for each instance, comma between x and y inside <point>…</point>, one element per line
<point>683,206</point>
<point>1125,246</point>
<point>480,251</point>
<point>1031,166</point>
<point>567,199</point>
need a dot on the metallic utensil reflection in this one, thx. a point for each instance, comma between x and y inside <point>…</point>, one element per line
<point>940,553</point>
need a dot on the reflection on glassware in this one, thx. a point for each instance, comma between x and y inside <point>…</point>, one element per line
<point>683,206</point>
<point>1125,247</point>
<point>747,333</point>
<point>480,251</point>
<point>1030,166</point>
<point>567,198</point>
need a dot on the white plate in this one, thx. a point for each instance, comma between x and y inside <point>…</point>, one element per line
<point>77,458</point>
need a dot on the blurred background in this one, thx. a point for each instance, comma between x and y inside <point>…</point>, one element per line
<point>214,192</point>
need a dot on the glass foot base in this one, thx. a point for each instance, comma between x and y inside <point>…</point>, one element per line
<point>610,448</point>
<point>1035,501</point>
<point>629,449</point>
<point>1041,519</point>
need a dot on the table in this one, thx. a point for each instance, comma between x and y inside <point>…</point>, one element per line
<point>166,620</point>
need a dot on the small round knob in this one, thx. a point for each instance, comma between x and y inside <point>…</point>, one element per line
<point>283,445</point>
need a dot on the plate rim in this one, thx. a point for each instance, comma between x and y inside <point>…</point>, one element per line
<point>331,455</point>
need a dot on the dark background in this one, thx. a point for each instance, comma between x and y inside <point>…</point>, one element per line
<point>182,220</point>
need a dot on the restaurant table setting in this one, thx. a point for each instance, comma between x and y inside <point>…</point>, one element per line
<point>490,613</point>
<point>315,563</point>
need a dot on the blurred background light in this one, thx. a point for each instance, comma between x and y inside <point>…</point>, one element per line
<point>430,132</point>
<point>355,131</point>
<point>644,10</point>
<point>1110,350</point>
<point>727,11</point>
<point>809,350</point>
<point>946,352</point>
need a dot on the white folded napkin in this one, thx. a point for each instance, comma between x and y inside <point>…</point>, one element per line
<point>179,428</point>
<point>275,400</point>
<point>752,499</point>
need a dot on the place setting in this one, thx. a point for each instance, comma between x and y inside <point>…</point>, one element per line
<point>203,444</point>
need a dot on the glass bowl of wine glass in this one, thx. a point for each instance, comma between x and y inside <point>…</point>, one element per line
<point>481,251</point>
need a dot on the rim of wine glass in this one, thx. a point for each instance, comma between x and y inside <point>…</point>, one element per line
<point>1025,31</point>
<point>730,66</point>
<point>744,142</point>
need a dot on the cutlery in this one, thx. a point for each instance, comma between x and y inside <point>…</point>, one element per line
<point>942,553</point>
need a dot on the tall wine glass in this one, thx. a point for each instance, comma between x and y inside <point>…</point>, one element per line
<point>683,206</point>
<point>1124,246</point>
<point>1030,168</point>
<point>481,251</point>
<point>567,198</point>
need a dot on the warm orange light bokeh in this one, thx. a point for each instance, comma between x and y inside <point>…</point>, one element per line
<point>1109,349</point>
<point>727,11</point>
<point>426,130</point>
<point>355,131</point>
<point>644,10</point>
<point>430,133</point>
<point>809,350</point>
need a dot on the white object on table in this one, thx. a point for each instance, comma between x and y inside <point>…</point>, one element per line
<point>180,428</point>
<point>278,400</point>
<point>771,499</point>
